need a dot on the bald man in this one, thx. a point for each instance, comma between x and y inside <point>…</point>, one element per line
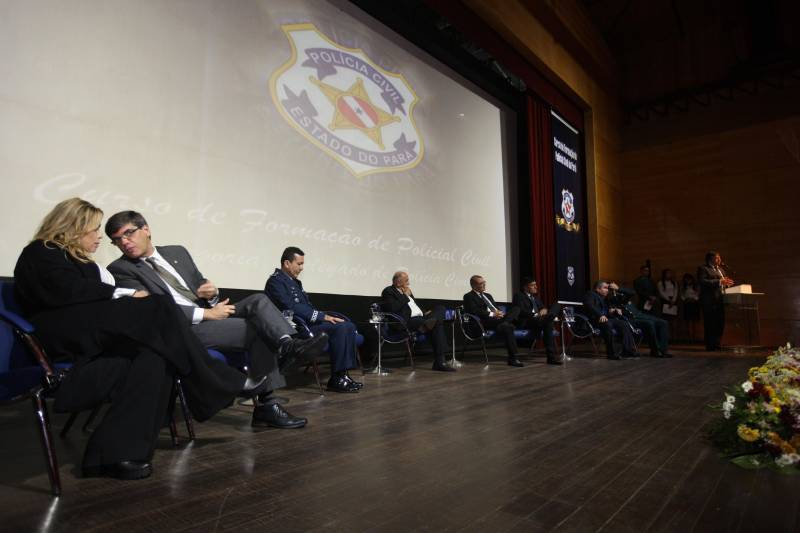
<point>397,298</point>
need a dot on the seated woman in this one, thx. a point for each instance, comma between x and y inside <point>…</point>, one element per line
<point>124,349</point>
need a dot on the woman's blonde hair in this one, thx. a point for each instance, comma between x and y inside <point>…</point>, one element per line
<point>66,223</point>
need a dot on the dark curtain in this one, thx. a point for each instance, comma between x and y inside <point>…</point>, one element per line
<point>543,229</point>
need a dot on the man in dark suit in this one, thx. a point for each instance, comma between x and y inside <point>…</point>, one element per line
<point>286,291</point>
<point>397,298</point>
<point>253,325</point>
<point>533,315</point>
<point>480,303</point>
<point>608,321</point>
<point>646,290</point>
<point>712,281</point>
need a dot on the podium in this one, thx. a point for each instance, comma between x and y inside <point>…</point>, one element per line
<point>742,325</point>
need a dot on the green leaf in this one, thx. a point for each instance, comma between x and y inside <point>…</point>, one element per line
<point>753,462</point>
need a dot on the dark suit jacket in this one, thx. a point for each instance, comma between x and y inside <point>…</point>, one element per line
<point>594,306</point>
<point>528,309</point>
<point>396,302</point>
<point>475,305</point>
<point>135,274</point>
<point>709,280</point>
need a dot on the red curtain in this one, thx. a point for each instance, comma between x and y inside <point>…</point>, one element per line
<point>543,214</point>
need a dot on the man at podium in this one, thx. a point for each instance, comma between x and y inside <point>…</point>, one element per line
<point>712,281</point>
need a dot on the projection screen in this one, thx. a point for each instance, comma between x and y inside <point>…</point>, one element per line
<point>238,128</point>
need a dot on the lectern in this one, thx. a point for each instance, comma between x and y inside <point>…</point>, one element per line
<point>741,315</point>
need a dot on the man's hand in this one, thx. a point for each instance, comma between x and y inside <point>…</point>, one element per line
<point>141,294</point>
<point>727,282</point>
<point>333,319</point>
<point>603,319</point>
<point>221,311</point>
<point>499,314</point>
<point>207,290</point>
<point>542,311</point>
<point>613,286</point>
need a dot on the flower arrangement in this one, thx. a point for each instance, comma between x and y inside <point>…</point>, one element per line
<point>760,423</point>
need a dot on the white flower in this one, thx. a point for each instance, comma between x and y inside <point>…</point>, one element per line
<point>787,459</point>
<point>730,398</point>
<point>747,386</point>
<point>727,405</point>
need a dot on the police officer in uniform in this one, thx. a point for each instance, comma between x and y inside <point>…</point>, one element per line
<point>286,291</point>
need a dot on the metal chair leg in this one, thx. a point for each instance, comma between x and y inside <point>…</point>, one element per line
<point>187,415</point>
<point>43,422</point>
<point>483,347</point>
<point>173,429</point>
<point>68,425</point>
<point>316,376</point>
<point>410,354</point>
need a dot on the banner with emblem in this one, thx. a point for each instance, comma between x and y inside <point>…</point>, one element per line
<point>570,209</point>
<point>346,104</point>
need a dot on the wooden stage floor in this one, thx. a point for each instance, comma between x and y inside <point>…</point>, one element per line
<point>596,445</point>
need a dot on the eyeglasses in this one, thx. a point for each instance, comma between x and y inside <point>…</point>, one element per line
<point>127,234</point>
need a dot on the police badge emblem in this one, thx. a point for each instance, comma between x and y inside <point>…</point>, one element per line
<point>571,275</point>
<point>347,105</point>
<point>567,220</point>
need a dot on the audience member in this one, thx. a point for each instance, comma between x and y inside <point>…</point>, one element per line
<point>125,344</point>
<point>533,315</point>
<point>397,298</point>
<point>690,298</point>
<point>286,291</point>
<point>252,325</point>
<point>646,291</point>
<point>609,321</point>
<point>480,303</point>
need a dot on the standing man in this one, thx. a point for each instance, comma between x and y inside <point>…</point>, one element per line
<point>608,321</point>
<point>397,298</point>
<point>286,290</point>
<point>253,325</point>
<point>646,290</point>
<point>479,302</point>
<point>712,281</point>
<point>534,316</point>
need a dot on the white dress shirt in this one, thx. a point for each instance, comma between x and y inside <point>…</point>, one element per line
<point>180,299</point>
<point>108,278</point>
<point>415,310</point>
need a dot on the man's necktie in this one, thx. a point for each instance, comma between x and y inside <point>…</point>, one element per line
<point>171,280</point>
<point>533,303</point>
<point>488,302</point>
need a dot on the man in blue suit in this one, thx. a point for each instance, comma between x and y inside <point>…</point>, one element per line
<point>286,291</point>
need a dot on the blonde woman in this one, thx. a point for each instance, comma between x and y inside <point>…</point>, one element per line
<point>126,345</point>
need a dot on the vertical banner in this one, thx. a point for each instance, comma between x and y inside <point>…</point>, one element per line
<point>569,197</point>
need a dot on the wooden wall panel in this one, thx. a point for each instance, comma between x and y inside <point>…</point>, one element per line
<point>735,191</point>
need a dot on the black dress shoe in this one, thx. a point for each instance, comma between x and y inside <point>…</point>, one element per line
<point>306,350</point>
<point>630,355</point>
<point>513,361</point>
<point>615,357</point>
<point>253,387</point>
<point>122,470</point>
<point>443,367</point>
<point>554,361</point>
<point>666,354</point>
<point>341,384</point>
<point>354,383</point>
<point>274,415</point>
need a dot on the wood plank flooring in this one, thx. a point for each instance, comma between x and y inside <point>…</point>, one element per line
<point>596,445</point>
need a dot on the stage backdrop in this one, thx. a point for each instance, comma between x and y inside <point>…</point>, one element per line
<point>238,128</point>
<point>569,198</point>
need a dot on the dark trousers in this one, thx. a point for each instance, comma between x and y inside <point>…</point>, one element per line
<point>623,330</point>
<point>256,328</point>
<point>437,335</point>
<point>505,329</point>
<point>542,325</point>
<point>656,331</point>
<point>341,343</point>
<point>139,387</point>
<point>713,322</point>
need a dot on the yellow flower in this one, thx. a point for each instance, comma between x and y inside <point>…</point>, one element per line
<point>747,434</point>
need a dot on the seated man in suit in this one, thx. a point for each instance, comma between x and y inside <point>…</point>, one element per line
<point>655,330</point>
<point>533,315</point>
<point>608,320</point>
<point>479,302</point>
<point>253,325</point>
<point>397,298</point>
<point>287,292</point>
